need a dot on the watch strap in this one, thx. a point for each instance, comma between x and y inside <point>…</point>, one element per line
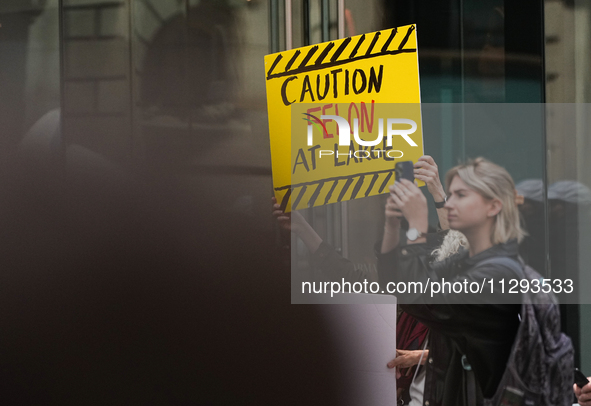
<point>439,205</point>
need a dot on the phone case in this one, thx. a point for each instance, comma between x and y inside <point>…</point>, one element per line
<point>580,378</point>
<point>404,170</point>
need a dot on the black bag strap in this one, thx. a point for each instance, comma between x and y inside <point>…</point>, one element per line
<point>513,264</point>
<point>525,272</point>
<point>472,392</point>
<point>471,387</point>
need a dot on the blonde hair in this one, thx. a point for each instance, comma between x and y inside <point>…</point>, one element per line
<point>492,181</point>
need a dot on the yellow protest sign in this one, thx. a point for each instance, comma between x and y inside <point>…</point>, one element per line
<point>341,114</point>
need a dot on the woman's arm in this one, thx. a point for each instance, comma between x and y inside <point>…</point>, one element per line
<point>328,263</point>
<point>391,237</point>
<point>426,170</point>
<point>297,224</point>
<point>413,205</point>
<point>388,255</point>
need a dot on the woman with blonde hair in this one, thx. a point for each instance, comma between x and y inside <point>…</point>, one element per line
<point>471,332</point>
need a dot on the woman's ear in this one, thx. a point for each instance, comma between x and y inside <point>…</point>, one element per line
<point>495,207</point>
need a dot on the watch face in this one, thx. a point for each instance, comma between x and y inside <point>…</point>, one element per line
<point>412,234</point>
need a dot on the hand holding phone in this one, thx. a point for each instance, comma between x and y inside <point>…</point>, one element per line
<point>404,170</point>
<point>580,378</point>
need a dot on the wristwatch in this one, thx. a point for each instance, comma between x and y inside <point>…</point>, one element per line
<point>439,205</point>
<point>413,234</point>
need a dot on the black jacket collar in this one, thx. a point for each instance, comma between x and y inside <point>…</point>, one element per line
<point>508,249</point>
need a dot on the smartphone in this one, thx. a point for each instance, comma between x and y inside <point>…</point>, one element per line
<point>404,170</point>
<point>580,378</point>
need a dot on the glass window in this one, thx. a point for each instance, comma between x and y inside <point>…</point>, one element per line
<point>567,45</point>
<point>30,84</point>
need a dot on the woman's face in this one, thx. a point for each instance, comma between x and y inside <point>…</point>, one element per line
<point>467,209</point>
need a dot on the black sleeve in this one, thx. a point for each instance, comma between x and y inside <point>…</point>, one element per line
<point>405,265</point>
<point>447,311</point>
<point>389,263</point>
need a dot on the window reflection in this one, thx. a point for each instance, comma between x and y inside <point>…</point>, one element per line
<point>29,66</point>
<point>180,84</point>
<point>188,79</point>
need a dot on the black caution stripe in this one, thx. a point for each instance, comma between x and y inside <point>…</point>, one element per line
<point>321,192</point>
<point>346,52</point>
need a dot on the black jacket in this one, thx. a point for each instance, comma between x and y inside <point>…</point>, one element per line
<point>477,327</point>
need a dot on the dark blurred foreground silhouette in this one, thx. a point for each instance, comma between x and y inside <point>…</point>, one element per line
<point>119,292</point>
